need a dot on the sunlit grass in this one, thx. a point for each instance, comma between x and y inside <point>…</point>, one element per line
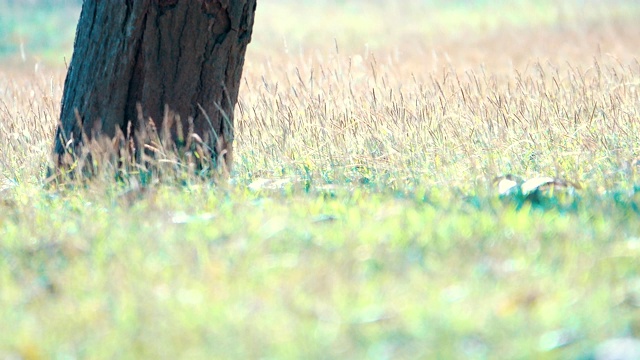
<point>364,216</point>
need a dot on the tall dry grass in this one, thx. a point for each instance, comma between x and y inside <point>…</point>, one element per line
<point>559,100</point>
<point>421,108</point>
<point>29,106</point>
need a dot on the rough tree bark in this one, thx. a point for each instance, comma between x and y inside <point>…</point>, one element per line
<point>142,55</point>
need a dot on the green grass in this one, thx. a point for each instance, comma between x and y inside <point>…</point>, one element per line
<point>200,271</point>
<point>363,217</point>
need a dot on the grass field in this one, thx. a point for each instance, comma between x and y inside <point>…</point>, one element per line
<point>367,214</point>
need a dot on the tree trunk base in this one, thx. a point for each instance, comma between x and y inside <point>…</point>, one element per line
<point>157,75</point>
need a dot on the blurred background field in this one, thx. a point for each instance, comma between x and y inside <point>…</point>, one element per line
<point>362,218</point>
<point>43,30</point>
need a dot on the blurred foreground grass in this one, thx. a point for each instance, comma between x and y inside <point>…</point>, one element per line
<point>362,219</point>
<point>202,272</point>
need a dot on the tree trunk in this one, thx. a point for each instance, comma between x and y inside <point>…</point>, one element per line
<point>133,59</point>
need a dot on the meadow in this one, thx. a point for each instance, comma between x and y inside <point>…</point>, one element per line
<point>378,206</point>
